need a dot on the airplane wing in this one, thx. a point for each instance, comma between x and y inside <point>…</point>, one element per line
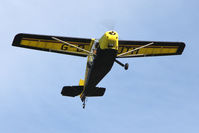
<point>148,48</point>
<point>47,43</point>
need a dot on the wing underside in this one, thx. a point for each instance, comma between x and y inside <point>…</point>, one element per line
<point>47,43</point>
<point>155,49</point>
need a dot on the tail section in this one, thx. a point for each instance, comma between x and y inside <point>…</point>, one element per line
<point>73,91</point>
<point>81,82</point>
<point>96,92</point>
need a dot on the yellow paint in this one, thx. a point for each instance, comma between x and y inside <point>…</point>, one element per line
<point>81,82</point>
<point>54,45</point>
<point>151,50</point>
<point>108,39</point>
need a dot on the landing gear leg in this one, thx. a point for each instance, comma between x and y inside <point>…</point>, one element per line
<point>126,65</point>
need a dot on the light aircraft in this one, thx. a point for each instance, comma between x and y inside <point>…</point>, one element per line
<point>101,54</point>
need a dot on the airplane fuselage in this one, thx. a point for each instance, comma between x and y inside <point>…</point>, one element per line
<point>99,64</point>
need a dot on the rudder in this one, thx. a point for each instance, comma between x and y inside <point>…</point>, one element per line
<point>81,82</point>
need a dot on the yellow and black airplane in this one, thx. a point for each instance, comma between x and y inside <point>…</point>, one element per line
<point>101,55</point>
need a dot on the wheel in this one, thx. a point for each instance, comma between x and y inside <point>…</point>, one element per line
<point>126,66</point>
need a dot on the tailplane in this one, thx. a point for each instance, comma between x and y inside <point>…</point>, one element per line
<point>96,92</point>
<point>73,91</point>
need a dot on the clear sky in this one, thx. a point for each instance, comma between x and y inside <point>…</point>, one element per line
<point>156,94</point>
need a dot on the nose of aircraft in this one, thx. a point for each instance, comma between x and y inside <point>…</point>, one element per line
<point>112,34</point>
<point>112,38</point>
<point>109,40</point>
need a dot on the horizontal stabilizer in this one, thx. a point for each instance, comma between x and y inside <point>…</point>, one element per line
<point>95,92</point>
<point>72,91</point>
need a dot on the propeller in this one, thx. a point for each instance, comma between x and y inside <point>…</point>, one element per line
<point>109,24</point>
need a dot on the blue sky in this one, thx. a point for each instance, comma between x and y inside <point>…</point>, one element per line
<point>158,94</point>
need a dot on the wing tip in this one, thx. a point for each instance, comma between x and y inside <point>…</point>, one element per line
<point>181,48</point>
<point>17,39</point>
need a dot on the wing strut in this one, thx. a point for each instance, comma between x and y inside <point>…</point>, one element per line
<point>126,65</point>
<point>90,53</point>
<point>135,49</point>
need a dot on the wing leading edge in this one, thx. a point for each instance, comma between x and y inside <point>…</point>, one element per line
<point>155,49</point>
<point>47,43</point>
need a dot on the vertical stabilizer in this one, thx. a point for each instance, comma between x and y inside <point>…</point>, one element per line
<point>81,82</point>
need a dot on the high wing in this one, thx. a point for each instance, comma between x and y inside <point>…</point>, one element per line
<point>47,43</point>
<point>137,48</point>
